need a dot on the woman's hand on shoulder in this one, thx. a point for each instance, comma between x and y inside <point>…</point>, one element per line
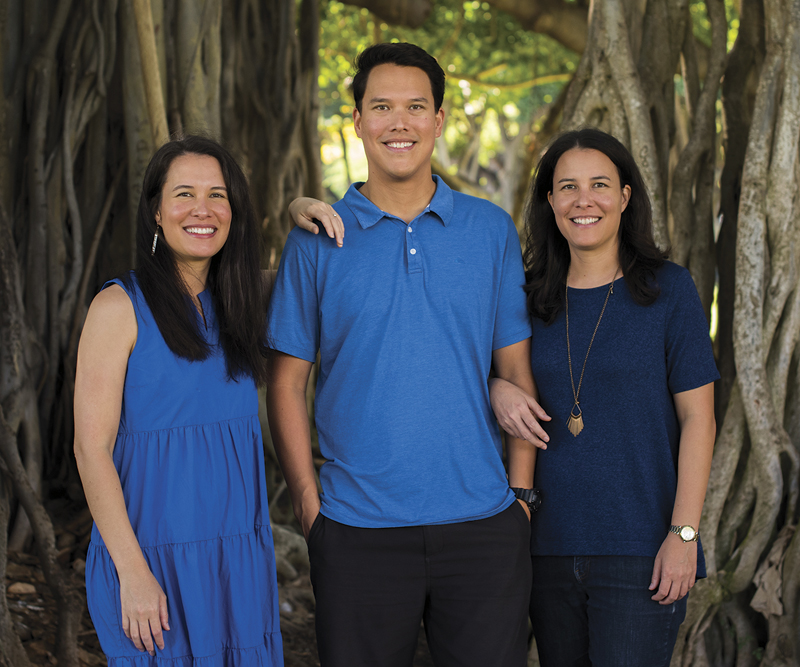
<point>518,413</point>
<point>674,570</point>
<point>144,610</point>
<point>305,210</point>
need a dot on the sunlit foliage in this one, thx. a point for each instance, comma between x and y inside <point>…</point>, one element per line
<point>702,27</point>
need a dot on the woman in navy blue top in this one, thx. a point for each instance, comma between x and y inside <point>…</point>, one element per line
<point>623,362</point>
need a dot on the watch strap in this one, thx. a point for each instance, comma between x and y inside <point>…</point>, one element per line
<point>532,497</point>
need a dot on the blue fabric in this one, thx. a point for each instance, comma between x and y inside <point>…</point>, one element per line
<point>405,318</point>
<point>610,490</point>
<point>596,611</point>
<point>191,465</point>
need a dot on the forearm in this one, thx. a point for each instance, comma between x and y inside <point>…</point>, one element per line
<point>527,384</point>
<point>675,565</point>
<point>521,454</point>
<point>291,436</point>
<point>107,504</point>
<point>513,365</point>
<point>521,457</point>
<point>694,467</point>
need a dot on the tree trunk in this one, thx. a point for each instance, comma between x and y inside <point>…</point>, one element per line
<point>150,71</point>
<point>12,654</point>
<point>276,92</point>
<point>199,64</point>
<point>138,131</point>
<point>563,21</point>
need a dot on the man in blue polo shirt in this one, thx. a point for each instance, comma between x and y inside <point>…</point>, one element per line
<point>417,519</point>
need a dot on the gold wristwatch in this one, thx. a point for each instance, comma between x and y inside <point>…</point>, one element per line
<point>686,533</point>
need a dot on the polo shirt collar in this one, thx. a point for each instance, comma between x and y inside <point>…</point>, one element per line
<point>368,214</point>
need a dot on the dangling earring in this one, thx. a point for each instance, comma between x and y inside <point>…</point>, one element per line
<point>155,241</point>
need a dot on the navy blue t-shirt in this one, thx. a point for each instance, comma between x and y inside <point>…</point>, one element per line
<point>405,318</point>
<point>611,489</point>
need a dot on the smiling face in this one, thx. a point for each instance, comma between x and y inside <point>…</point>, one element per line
<point>588,200</point>
<point>398,124</point>
<point>194,213</point>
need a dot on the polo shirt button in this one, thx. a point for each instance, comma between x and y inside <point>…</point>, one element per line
<point>410,230</point>
<point>413,251</point>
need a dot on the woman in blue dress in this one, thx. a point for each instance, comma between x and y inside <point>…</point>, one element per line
<point>180,569</point>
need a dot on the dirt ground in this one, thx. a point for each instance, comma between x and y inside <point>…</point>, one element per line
<point>33,608</point>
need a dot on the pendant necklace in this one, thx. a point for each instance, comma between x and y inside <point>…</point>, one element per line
<point>575,419</point>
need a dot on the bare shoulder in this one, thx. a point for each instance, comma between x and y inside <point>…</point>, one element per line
<point>112,297</point>
<point>111,320</point>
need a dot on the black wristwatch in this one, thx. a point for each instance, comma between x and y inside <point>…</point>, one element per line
<point>531,497</point>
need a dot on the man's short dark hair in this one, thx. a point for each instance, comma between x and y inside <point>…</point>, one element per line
<point>403,55</point>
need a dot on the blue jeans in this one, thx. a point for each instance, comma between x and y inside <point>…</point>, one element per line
<point>596,611</point>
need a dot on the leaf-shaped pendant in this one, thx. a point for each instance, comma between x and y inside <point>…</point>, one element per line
<point>575,422</point>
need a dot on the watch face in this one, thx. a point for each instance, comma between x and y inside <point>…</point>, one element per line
<point>687,533</point>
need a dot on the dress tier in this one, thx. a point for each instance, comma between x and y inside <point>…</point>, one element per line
<point>191,464</point>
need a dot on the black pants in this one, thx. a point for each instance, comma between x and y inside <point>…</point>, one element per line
<point>469,582</point>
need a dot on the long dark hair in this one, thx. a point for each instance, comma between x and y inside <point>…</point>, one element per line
<point>234,278</point>
<point>547,255</point>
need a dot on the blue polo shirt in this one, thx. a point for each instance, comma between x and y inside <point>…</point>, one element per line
<point>405,317</point>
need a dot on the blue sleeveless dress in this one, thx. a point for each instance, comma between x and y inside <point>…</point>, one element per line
<point>191,463</point>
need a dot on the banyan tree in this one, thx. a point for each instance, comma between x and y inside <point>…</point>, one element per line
<point>706,94</point>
